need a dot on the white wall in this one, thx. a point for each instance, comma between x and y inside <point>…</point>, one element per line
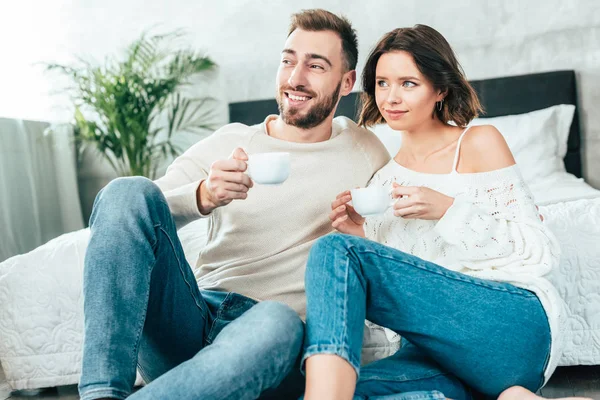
<point>491,38</point>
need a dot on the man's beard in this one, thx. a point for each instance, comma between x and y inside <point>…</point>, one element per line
<point>315,114</point>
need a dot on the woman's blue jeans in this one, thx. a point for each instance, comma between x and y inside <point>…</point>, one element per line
<point>461,333</point>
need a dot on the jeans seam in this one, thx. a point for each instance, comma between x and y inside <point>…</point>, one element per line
<point>217,317</point>
<point>140,328</point>
<point>433,395</point>
<point>110,391</point>
<point>344,334</point>
<point>345,304</point>
<point>380,378</point>
<point>442,273</point>
<point>328,348</point>
<point>182,272</point>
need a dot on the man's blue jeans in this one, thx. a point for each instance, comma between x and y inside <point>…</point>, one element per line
<point>143,310</point>
<point>460,333</point>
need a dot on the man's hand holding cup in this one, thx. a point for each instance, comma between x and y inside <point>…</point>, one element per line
<point>227,181</point>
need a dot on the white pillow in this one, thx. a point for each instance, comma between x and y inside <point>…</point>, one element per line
<point>537,139</point>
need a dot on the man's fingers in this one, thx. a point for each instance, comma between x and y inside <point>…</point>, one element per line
<point>239,154</point>
<point>237,195</point>
<point>237,177</point>
<point>221,196</point>
<point>230,165</point>
<point>235,187</point>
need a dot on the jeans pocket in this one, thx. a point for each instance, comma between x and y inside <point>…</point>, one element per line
<point>232,307</point>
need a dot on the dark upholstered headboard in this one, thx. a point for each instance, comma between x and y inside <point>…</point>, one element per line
<point>499,96</point>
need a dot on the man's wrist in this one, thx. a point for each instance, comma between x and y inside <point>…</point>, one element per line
<point>205,205</point>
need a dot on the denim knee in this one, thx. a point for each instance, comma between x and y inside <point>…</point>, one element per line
<point>129,189</point>
<point>126,196</point>
<point>326,248</point>
<point>280,323</point>
<point>271,334</point>
<point>332,242</point>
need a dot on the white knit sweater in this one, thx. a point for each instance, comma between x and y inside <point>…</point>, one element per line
<point>492,231</point>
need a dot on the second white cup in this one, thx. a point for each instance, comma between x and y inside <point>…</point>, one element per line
<point>371,200</point>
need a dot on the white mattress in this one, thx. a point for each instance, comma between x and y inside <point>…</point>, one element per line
<point>41,305</point>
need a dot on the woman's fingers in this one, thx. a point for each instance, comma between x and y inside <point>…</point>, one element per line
<point>338,212</point>
<point>339,221</point>
<point>340,200</point>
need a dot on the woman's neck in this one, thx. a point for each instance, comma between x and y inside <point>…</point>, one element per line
<point>428,139</point>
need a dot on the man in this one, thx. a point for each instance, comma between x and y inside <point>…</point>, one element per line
<point>239,335</point>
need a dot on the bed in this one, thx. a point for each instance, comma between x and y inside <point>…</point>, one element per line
<point>41,320</point>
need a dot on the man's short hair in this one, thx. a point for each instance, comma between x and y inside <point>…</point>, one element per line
<point>316,20</point>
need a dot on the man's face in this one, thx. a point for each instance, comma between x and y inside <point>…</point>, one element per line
<point>311,77</point>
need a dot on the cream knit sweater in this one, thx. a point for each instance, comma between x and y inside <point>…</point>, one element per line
<point>258,247</point>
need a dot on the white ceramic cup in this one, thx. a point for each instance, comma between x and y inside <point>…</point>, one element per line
<point>269,168</point>
<point>372,200</point>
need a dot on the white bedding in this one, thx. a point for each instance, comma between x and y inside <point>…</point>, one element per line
<point>561,187</point>
<point>571,209</point>
<point>41,305</point>
<point>577,227</point>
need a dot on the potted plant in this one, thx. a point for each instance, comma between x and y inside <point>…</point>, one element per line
<point>130,109</point>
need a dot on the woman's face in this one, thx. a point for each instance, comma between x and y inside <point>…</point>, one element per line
<point>405,98</point>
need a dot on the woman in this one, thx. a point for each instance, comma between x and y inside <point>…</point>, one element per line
<point>457,267</point>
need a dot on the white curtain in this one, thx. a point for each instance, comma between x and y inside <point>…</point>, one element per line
<point>39,198</point>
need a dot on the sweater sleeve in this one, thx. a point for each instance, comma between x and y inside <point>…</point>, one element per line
<point>372,223</point>
<point>496,226</point>
<point>377,154</point>
<point>183,177</point>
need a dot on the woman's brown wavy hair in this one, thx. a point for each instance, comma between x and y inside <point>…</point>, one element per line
<point>435,59</point>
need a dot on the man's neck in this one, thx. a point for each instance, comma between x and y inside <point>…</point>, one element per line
<point>278,129</point>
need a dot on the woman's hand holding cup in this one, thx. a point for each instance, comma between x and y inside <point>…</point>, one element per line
<point>344,217</point>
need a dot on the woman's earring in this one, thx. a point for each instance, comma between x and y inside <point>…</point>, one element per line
<point>440,104</point>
